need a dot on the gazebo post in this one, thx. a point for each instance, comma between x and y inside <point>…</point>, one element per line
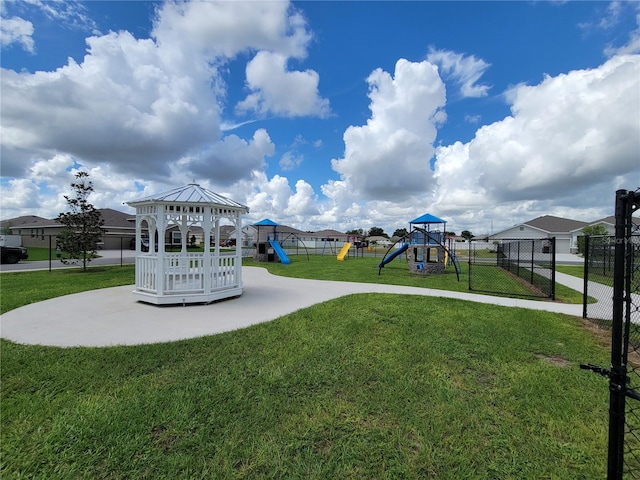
<point>160,227</point>
<point>216,249</point>
<point>238,253</point>
<point>207,225</point>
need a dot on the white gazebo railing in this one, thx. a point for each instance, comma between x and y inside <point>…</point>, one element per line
<point>187,276</point>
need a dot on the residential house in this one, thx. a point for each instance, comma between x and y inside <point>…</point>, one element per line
<point>379,240</point>
<point>565,231</point>
<point>119,228</point>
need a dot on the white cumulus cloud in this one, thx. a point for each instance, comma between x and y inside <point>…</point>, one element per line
<point>279,91</point>
<point>388,158</point>
<point>572,139</point>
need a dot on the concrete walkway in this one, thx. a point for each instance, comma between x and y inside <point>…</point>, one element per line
<point>111,316</point>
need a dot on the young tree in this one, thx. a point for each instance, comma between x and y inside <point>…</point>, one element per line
<point>591,231</point>
<point>467,235</point>
<point>400,232</point>
<point>594,230</point>
<point>377,232</point>
<point>82,224</point>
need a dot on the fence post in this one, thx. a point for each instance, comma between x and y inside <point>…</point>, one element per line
<point>618,378</point>
<point>469,261</point>
<point>585,287</point>
<point>533,247</point>
<point>553,268</point>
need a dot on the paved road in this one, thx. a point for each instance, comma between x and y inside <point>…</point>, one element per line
<point>107,257</point>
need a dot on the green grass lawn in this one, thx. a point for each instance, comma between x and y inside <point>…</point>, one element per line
<point>40,253</point>
<point>365,386</point>
<point>595,275</point>
<point>21,288</point>
<point>365,269</point>
<point>44,254</point>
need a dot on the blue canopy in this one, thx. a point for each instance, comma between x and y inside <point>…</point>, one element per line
<point>266,223</point>
<point>427,218</point>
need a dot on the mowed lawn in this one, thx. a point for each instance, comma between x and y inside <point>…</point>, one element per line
<point>364,386</point>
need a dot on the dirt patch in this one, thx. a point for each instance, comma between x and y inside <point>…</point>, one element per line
<point>554,359</point>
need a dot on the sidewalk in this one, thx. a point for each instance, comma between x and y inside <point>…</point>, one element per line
<point>111,316</point>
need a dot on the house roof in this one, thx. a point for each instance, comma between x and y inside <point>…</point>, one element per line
<point>26,221</point>
<point>329,233</point>
<point>378,238</point>
<point>114,218</point>
<point>552,224</point>
<point>611,220</point>
<point>192,194</point>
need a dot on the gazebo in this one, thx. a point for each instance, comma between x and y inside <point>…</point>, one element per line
<point>165,278</point>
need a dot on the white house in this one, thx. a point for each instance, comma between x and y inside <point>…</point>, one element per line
<point>565,231</point>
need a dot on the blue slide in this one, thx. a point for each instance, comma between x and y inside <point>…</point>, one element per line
<point>400,251</point>
<point>280,252</point>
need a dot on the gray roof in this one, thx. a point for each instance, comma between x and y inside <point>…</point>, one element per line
<point>330,234</point>
<point>191,194</point>
<point>114,218</point>
<point>552,224</point>
<point>27,221</point>
<point>611,220</point>
<point>111,218</point>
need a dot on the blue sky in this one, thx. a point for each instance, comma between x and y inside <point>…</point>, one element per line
<point>325,114</point>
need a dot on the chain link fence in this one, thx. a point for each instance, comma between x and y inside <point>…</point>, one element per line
<point>598,308</point>
<point>519,267</point>
<point>598,279</point>
<point>612,300</point>
<point>632,316</point>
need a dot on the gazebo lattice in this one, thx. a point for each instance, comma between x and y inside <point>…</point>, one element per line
<point>164,278</point>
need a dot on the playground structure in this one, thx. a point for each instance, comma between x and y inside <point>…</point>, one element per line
<point>343,251</point>
<point>425,250</point>
<point>355,241</point>
<point>269,246</point>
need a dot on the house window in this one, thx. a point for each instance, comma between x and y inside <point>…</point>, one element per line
<point>521,229</point>
<point>176,237</point>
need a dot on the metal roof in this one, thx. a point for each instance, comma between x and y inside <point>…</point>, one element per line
<point>191,194</point>
<point>427,218</point>
<point>266,223</point>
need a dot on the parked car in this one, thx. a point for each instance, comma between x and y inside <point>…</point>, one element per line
<point>13,254</point>
<point>144,244</point>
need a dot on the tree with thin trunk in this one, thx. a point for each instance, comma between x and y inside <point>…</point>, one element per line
<point>82,224</point>
<point>400,232</point>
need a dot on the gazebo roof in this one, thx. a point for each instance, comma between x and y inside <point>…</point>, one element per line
<point>427,218</point>
<point>191,194</point>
